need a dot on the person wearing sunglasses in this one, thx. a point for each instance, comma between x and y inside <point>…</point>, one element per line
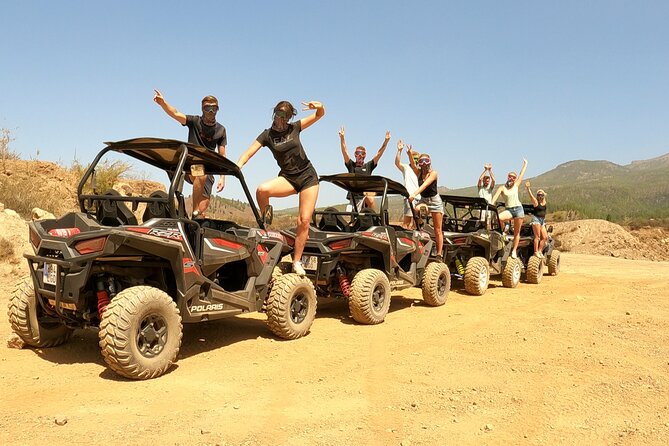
<point>429,194</point>
<point>513,207</point>
<point>296,176</point>
<point>204,131</point>
<point>359,166</point>
<point>410,182</point>
<point>538,220</point>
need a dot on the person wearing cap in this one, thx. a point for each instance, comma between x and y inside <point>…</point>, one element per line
<point>359,166</point>
<point>410,182</point>
<point>513,207</point>
<point>538,220</point>
<point>429,194</point>
<point>296,176</point>
<point>203,131</point>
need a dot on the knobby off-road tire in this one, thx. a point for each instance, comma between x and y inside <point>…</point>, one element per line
<point>554,263</point>
<point>436,284</point>
<point>291,306</point>
<point>23,315</point>
<point>140,332</point>
<point>535,270</point>
<point>511,273</point>
<point>370,296</point>
<point>477,276</point>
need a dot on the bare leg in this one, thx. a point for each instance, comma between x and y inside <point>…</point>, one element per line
<point>536,229</point>
<point>278,187</point>
<point>517,223</point>
<point>544,238</point>
<point>308,199</point>
<point>407,223</point>
<point>437,218</point>
<point>199,203</point>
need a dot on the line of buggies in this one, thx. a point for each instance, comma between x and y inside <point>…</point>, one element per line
<point>137,283</point>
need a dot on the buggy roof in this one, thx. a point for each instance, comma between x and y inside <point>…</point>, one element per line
<point>164,154</point>
<point>357,183</point>
<point>457,200</point>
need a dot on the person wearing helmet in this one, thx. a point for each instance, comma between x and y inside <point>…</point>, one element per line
<point>204,131</point>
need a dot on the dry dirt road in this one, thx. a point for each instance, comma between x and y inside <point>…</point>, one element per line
<point>582,358</point>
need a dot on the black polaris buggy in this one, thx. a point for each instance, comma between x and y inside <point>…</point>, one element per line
<point>475,246</point>
<point>360,256</point>
<point>137,283</point>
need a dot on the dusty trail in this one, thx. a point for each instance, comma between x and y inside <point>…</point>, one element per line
<point>581,358</point>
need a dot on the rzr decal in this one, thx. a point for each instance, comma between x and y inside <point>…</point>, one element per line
<point>189,266</point>
<point>171,234</point>
<point>379,235</point>
<point>271,234</point>
<point>262,253</point>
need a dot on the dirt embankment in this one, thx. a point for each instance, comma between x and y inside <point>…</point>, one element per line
<point>605,238</point>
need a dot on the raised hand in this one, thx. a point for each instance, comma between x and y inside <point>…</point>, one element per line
<point>487,166</point>
<point>311,105</point>
<point>527,184</point>
<point>400,145</point>
<point>158,97</point>
<point>388,135</point>
<point>341,132</point>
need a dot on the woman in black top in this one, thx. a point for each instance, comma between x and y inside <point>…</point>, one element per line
<point>429,195</point>
<point>297,174</point>
<point>538,220</point>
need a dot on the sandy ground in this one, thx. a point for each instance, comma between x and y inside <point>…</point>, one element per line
<point>582,358</point>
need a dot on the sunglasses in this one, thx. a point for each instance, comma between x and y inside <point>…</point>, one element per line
<point>360,153</point>
<point>424,162</point>
<point>540,195</point>
<point>511,177</point>
<point>210,108</point>
<point>283,114</point>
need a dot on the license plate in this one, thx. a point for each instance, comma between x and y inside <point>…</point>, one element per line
<point>310,262</point>
<point>49,274</point>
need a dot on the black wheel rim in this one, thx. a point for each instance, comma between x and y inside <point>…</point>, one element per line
<point>299,308</point>
<point>378,298</point>
<point>152,335</point>
<point>441,285</point>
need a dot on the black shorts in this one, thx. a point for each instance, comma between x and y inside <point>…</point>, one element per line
<point>208,185</point>
<point>307,178</point>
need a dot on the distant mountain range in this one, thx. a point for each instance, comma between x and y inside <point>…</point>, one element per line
<point>602,189</point>
<point>638,191</point>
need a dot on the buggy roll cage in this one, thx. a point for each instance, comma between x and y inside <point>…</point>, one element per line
<point>172,156</point>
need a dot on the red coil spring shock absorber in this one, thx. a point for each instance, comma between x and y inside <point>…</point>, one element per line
<point>344,283</point>
<point>103,301</point>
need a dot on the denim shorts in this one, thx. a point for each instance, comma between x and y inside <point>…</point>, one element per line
<point>516,211</point>
<point>538,220</point>
<point>434,204</point>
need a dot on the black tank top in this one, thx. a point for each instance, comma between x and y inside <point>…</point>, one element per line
<point>540,211</point>
<point>430,191</point>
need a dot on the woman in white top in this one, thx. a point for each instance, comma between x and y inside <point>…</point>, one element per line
<point>513,207</point>
<point>410,182</point>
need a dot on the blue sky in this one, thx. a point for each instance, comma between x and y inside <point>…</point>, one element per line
<point>468,82</point>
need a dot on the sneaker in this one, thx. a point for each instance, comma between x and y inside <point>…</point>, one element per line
<point>299,269</point>
<point>514,255</point>
<point>268,215</point>
<point>540,255</point>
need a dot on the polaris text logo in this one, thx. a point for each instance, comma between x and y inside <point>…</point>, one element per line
<point>210,307</point>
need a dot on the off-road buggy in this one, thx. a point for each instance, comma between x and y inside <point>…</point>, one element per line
<point>475,246</point>
<point>136,283</point>
<point>360,256</point>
